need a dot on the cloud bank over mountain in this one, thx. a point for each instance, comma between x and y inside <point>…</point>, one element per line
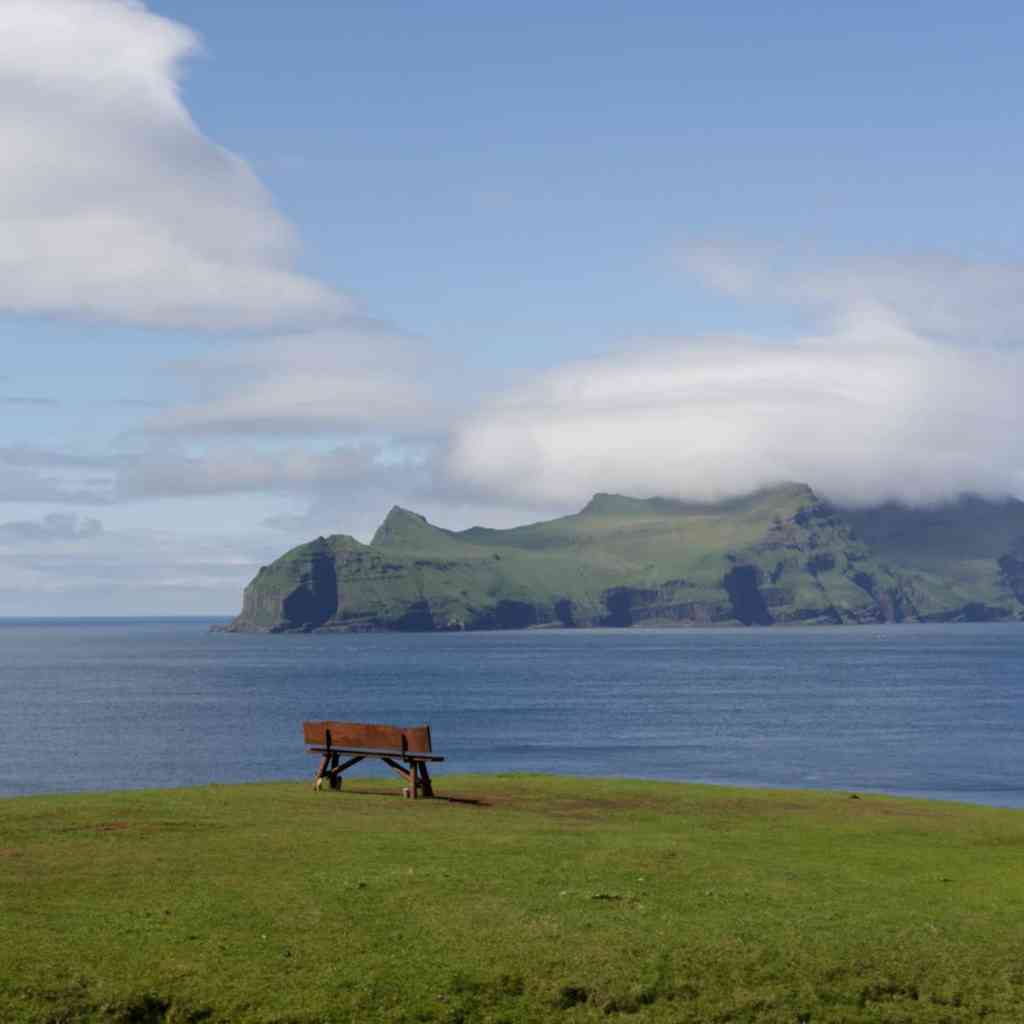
<point>868,410</point>
<point>115,205</point>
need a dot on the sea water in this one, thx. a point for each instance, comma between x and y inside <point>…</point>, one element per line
<point>934,711</point>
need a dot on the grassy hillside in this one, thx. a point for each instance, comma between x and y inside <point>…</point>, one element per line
<point>779,555</point>
<point>521,899</point>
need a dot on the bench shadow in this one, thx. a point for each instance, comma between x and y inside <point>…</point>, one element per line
<point>437,798</point>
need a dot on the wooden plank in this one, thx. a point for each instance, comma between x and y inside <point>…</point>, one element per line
<point>391,763</point>
<point>417,739</point>
<point>368,735</point>
<point>352,734</point>
<point>348,764</point>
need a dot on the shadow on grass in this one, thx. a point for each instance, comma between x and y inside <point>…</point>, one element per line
<point>396,794</point>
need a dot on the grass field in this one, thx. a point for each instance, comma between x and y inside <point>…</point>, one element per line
<point>525,898</point>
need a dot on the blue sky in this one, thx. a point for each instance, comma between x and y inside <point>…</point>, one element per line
<point>505,177</point>
<point>273,268</point>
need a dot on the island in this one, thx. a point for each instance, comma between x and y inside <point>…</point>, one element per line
<point>781,555</point>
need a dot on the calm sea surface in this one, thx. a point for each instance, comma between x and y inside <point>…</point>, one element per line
<point>936,711</point>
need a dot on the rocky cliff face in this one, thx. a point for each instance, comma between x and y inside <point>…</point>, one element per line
<point>1011,567</point>
<point>774,557</point>
<point>299,592</point>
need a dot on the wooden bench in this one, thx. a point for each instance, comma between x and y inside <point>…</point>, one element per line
<point>405,749</point>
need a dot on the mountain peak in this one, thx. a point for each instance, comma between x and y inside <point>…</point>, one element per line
<point>400,524</point>
<point>403,515</point>
<point>605,504</point>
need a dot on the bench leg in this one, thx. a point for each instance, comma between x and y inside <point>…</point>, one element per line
<point>318,779</point>
<point>408,773</point>
<point>416,777</point>
<point>337,769</point>
<point>333,777</point>
<point>428,788</point>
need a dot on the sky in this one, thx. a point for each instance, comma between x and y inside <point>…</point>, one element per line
<point>267,270</point>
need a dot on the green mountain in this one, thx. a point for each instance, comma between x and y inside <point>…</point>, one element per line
<point>777,556</point>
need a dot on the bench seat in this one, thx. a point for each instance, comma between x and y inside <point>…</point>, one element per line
<point>367,752</point>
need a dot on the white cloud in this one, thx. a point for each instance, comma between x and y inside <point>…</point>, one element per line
<point>57,526</point>
<point>120,571</point>
<point>910,392</point>
<point>360,377</point>
<point>245,469</point>
<point>34,474</point>
<point>29,401</point>
<point>868,411</point>
<point>114,204</point>
<point>961,301</point>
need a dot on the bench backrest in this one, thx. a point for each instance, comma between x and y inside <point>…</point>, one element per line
<point>367,736</point>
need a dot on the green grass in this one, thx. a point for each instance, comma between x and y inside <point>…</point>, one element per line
<point>527,899</point>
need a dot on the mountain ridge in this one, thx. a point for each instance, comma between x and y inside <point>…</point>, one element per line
<point>778,555</point>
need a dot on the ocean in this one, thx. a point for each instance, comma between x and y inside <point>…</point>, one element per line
<point>934,711</point>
